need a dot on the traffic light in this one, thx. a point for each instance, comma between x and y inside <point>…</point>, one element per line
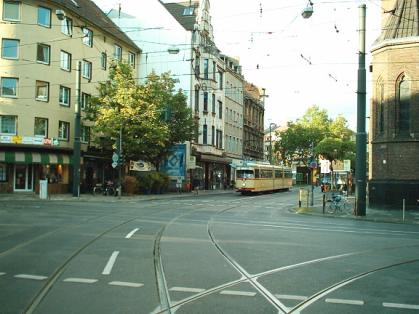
<point>121,159</point>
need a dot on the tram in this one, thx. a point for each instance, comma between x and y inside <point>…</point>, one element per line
<point>254,178</point>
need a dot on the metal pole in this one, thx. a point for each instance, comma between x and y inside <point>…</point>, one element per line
<point>76,146</point>
<point>270,143</point>
<point>120,162</point>
<point>361,136</point>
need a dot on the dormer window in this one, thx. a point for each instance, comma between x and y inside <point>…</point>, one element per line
<point>188,11</point>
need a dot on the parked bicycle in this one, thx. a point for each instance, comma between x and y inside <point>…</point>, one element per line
<point>339,204</point>
<point>107,189</point>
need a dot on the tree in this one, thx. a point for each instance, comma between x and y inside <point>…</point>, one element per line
<point>315,133</point>
<point>140,111</point>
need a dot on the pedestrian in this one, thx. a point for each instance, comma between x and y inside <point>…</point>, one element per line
<point>179,184</point>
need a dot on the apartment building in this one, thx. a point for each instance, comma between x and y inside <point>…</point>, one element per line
<point>42,43</point>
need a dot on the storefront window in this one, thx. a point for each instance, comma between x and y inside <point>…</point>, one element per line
<point>53,173</point>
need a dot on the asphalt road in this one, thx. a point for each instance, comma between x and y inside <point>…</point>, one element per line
<point>209,254</point>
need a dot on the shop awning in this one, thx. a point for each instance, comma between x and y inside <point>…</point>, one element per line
<point>34,158</point>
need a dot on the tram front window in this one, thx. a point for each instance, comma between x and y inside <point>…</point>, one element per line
<point>245,174</point>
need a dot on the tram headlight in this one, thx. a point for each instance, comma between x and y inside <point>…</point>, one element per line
<point>243,184</point>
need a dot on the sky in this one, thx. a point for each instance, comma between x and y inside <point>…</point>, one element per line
<point>300,62</point>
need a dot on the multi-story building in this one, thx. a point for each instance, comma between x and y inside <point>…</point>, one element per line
<point>394,127</point>
<point>253,118</point>
<point>185,27</point>
<point>233,114</point>
<point>42,43</point>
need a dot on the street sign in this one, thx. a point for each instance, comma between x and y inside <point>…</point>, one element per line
<point>115,158</point>
<point>114,164</point>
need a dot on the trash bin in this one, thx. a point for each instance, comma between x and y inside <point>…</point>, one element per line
<point>43,189</point>
<point>303,197</point>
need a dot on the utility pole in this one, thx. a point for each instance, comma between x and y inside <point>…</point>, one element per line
<point>361,136</point>
<point>76,146</point>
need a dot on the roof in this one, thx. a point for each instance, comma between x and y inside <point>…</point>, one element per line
<point>402,23</point>
<point>251,91</point>
<point>89,11</point>
<point>177,10</point>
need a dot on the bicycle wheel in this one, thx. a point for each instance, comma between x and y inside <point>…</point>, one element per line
<point>97,190</point>
<point>110,191</point>
<point>347,207</point>
<point>332,208</point>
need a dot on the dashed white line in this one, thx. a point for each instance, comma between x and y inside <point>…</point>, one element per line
<point>291,297</point>
<point>80,280</point>
<point>401,306</point>
<point>108,268</point>
<point>2,274</point>
<point>126,284</point>
<point>345,301</point>
<point>238,293</point>
<point>186,289</point>
<point>129,235</point>
<point>31,277</point>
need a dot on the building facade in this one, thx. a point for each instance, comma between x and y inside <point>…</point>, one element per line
<point>42,45</point>
<point>233,114</point>
<point>253,121</point>
<point>394,127</point>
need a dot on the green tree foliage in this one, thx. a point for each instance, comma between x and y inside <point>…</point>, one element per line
<point>315,134</point>
<point>152,116</point>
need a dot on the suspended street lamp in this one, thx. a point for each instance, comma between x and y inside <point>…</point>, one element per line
<point>308,11</point>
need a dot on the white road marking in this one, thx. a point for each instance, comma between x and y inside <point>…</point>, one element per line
<point>129,235</point>
<point>345,301</point>
<point>2,274</point>
<point>401,306</point>
<point>80,280</point>
<point>291,297</point>
<point>186,289</point>
<point>108,268</point>
<point>239,293</point>
<point>32,277</point>
<point>126,284</point>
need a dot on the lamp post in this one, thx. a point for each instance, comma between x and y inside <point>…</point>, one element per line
<point>270,142</point>
<point>76,145</point>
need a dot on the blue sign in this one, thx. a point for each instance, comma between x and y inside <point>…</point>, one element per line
<point>175,163</point>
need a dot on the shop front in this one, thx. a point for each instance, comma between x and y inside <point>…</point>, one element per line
<point>212,173</point>
<point>20,171</point>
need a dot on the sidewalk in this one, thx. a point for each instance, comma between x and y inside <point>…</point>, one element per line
<point>372,214</point>
<point>88,197</point>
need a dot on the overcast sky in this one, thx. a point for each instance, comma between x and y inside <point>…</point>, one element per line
<point>300,62</point>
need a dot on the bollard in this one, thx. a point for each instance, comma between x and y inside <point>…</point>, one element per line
<point>404,208</point>
<point>324,202</point>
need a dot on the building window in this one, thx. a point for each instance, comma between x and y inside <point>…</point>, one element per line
<point>85,134</point>
<point>104,60</point>
<point>206,61</point>
<point>67,26</point>
<point>8,125</point>
<point>220,109</point>
<point>188,11</point>
<point>213,104</point>
<point>10,48</point>
<point>11,11</point>
<point>117,53</point>
<point>205,101</point>
<point>87,70</point>
<point>65,61</point>
<point>41,127</point>
<point>131,59</point>
<point>85,100</point>
<point>9,86</point>
<point>403,102</point>
<point>212,135</point>
<point>220,80</point>
<point>3,172</point>
<point>64,98</point>
<point>88,37</point>
<point>42,91</point>
<point>214,70</point>
<point>43,53</point>
<point>204,134</point>
<point>63,130</point>
<point>44,17</point>
<point>196,99</point>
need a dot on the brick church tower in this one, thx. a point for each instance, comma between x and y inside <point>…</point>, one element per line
<point>394,123</point>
